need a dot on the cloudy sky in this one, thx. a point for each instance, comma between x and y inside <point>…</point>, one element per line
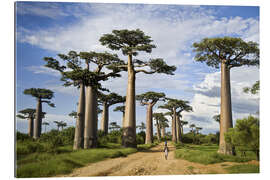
<point>46,29</point>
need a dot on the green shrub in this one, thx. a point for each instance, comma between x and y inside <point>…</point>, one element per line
<point>22,137</point>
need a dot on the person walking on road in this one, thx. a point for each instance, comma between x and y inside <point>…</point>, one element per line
<point>166,150</point>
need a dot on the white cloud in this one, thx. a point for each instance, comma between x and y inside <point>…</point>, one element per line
<point>206,103</point>
<point>43,70</point>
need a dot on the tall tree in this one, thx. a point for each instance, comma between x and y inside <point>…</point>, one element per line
<point>226,53</point>
<point>163,125</point>
<point>192,126</point>
<point>28,114</point>
<point>73,73</point>
<point>130,42</point>
<point>60,124</point>
<point>121,109</point>
<point>150,99</point>
<point>45,124</point>
<point>160,118</point>
<point>176,107</point>
<point>108,100</point>
<point>42,96</point>
<point>198,129</point>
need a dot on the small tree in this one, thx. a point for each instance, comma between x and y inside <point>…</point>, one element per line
<point>141,127</point>
<point>130,42</point>
<point>245,135</point>
<point>176,107</point>
<point>42,96</point>
<point>121,109</point>
<point>28,114</point>
<point>108,100</point>
<point>114,126</point>
<point>60,124</point>
<point>183,123</point>
<point>160,120</point>
<point>150,99</point>
<point>226,53</point>
<point>45,124</point>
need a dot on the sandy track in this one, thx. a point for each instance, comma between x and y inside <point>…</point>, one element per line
<point>151,162</point>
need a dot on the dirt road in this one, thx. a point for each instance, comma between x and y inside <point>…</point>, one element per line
<point>151,162</point>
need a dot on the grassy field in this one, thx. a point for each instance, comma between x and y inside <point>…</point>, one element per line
<point>64,160</point>
<point>243,168</point>
<point>207,154</point>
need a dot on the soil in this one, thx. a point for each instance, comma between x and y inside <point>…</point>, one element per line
<point>150,162</point>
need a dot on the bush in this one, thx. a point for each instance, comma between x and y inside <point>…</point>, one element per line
<point>140,137</point>
<point>22,137</point>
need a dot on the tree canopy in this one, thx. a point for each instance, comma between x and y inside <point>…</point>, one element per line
<point>150,97</point>
<point>110,99</point>
<point>254,89</point>
<point>234,51</point>
<point>41,94</point>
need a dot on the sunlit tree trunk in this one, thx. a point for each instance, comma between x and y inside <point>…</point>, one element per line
<point>38,119</point>
<point>226,109</point>
<point>105,118</point>
<point>163,132</point>
<point>174,139</point>
<point>158,130</point>
<point>90,129</point>
<point>149,125</point>
<point>30,126</point>
<point>79,129</point>
<point>178,129</point>
<point>129,131</point>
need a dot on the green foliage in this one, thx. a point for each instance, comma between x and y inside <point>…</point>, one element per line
<point>234,51</point>
<point>245,135</point>
<point>39,93</point>
<point>129,41</point>
<point>110,99</point>
<point>140,137</point>
<point>158,65</point>
<point>244,168</point>
<point>254,89</point>
<point>22,137</point>
<point>150,97</point>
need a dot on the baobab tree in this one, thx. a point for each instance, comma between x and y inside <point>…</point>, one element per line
<point>108,100</point>
<point>45,124</point>
<point>150,99</point>
<point>73,73</point>
<point>226,53</point>
<point>114,126</point>
<point>192,126</point>
<point>163,125</point>
<point>183,123</point>
<point>141,127</point>
<point>176,107</point>
<point>60,124</point>
<point>130,42</point>
<point>42,96</point>
<point>121,109</point>
<point>159,117</point>
<point>28,114</point>
<point>198,129</point>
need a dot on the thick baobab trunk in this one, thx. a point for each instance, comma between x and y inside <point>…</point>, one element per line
<point>149,125</point>
<point>105,118</point>
<point>174,139</point>
<point>129,130</point>
<point>38,119</point>
<point>30,126</point>
<point>163,132</point>
<point>226,109</point>
<point>90,129</point>
<point>79,130</point>
<point>178,129</point>
<point>158,130</point>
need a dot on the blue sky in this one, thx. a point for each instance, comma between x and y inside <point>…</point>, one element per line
<point>46,29</point>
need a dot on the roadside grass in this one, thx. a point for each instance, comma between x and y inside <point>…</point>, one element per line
<point>34,159</point>
<point>243,168</point>
<point>50,164</point>
<point>207,154</point>
<point>144,147</point>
